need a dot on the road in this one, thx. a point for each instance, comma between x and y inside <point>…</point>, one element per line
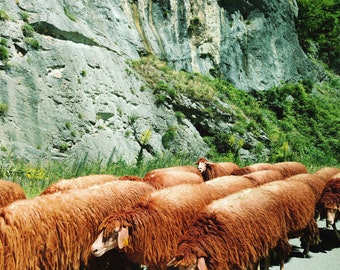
<point>325,256</point>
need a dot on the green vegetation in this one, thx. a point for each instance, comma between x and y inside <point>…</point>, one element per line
<point>27,30</point>
<point>33,43</point>
<point>3,15</point>
<point>318,27</point>
<point>3,108</point>
<point>69,14</point>
<point>4,53</point>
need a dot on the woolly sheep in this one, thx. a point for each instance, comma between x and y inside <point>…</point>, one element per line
<point>290,168</point>
<point>233,233</point>
<point>264,176</point>
<point>210,170</point>
<point>10,192</point>
<point>147,232</point>
<point>329,203</point>
<point>79,182</point>
<point>167,177</point>
<point>298,201</point>
<point>253,168</point>
<point>55,231</point>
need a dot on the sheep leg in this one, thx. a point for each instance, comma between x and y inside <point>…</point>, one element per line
<point>266,262</point>
<point>337,234</point>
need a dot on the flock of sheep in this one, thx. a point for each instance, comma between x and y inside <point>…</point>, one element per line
<point>214,216</point>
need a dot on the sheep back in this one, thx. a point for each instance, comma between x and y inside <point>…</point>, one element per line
<point>326,173</point>
<point>79,182</point>
<point>10,192</point>
<point>166,178</point>
<point>253,168</point>
<point>290,168</point>
<point>264,176</point>
<point>55,231</point>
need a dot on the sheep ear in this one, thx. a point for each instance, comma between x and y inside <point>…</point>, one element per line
<point>201,265</point>
<point>123,237</point>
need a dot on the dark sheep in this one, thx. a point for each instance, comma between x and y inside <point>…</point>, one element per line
<point>329,203</point>
<point>56,231</point>
<point>10,192</point>
<point>210,170</point>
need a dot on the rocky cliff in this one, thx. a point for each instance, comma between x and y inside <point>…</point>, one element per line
<point>69,88</point>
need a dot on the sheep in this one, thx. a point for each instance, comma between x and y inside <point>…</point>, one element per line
<point>290,168</point>
<point>210,170</point>
<point>79,182</point>
<point>147,232</point>
<point>326,173</point>
<point>264,176</point>
<point>55,231</point>
<point>167,177</point>
<point>330,203</point>
<point>170,210</point>
<point>10,192</point>
<point>253,168</point>
<point>233,233</point>
<point>298,199</point>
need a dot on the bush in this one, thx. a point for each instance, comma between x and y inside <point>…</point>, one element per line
<point>3,15</point>
<point>4,53</point>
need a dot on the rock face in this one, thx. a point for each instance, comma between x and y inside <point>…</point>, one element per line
<point>69,88</point>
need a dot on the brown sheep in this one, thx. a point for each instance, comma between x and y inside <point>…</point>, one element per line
<point>56,231</point>
<point>264,176</point>
<point>233,233</point>
<point>10,192</point>
<point>298,199</point>
<point>147,232</point>
<point>79,182</point>
<point>329,203</point>
<point>210,170</point>
<point>167,177</point>
<point>290,168</point>
<point>253,168</point>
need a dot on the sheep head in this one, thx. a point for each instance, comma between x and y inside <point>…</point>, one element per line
<point>118,237</point>
<point>202,164</point>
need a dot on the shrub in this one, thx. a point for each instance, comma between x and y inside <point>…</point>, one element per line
<point>3,15</point>
<point>4,53</point>
<point>3,108</point>
<point>27,30</point>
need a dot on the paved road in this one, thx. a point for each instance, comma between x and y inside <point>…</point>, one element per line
<point>325,256</point>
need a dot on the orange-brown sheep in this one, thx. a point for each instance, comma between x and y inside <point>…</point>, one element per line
<point>253,168</point>
<point>298,200</point>
<point>56,231</point>
<point>210,170</point>
<point>233,233</point>
<point>147,232</point>
<point>10,192</point>
<point>290,168</point>
<point>79,182</point>
<point>329,203</point>
<point>167,177</point>
<point>264,176</point>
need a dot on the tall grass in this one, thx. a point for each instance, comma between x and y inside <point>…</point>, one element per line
<point>35,177</point>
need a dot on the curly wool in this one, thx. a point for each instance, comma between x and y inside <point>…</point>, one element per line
<point>10,192</point>
<point>56,231</point>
